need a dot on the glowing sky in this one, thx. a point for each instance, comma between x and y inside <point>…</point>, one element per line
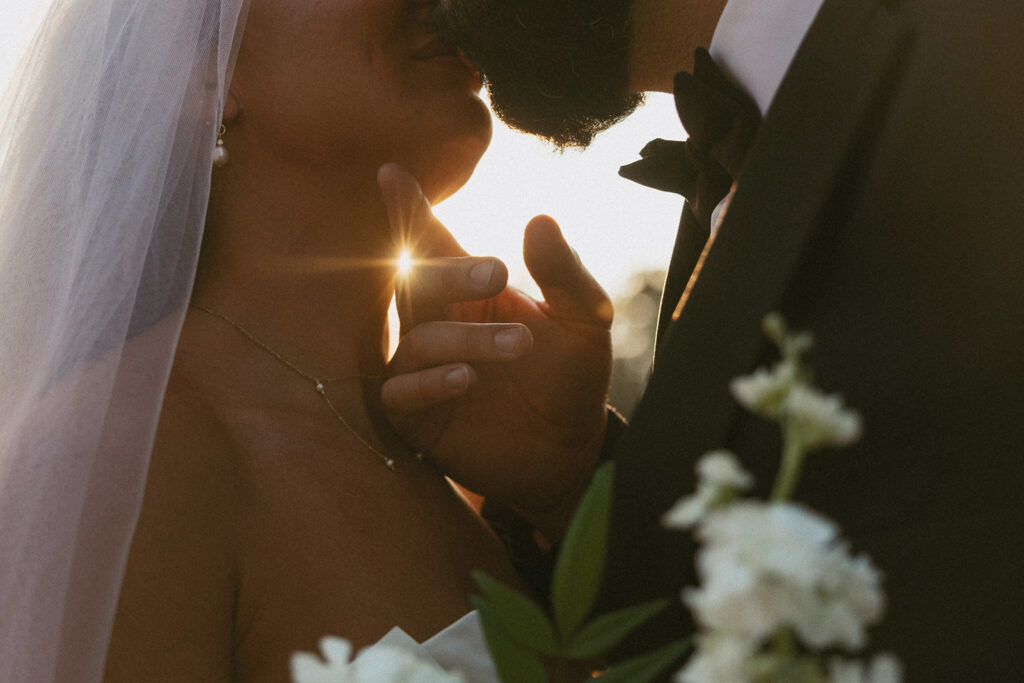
<point>617,227</point>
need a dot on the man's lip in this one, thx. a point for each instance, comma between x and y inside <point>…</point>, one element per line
<point>438,48</point>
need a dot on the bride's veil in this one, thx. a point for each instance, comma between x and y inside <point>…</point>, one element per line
<point>106,137</point>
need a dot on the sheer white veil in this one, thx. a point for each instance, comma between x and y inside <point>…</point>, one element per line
<point>106,137</point>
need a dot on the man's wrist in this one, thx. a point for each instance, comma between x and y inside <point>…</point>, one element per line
<point>552,521</point>
<point>533,557</point>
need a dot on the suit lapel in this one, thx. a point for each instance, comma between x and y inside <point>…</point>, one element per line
<point>850,51</point>
<point>690,242</point>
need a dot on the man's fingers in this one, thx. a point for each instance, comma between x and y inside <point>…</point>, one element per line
<point>430,366</point>
<point>568,287</point>
<point>433,283</point>
<point>417,391</point>
<point>437,343</point>
<point>413,225</point>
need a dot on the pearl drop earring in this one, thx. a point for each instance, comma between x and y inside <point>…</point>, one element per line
<point>220,152</point>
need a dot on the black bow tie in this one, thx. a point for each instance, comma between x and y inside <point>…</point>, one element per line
<point>721,121</point>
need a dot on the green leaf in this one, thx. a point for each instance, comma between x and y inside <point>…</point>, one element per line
<point>580,564</point>
<point>608,630</point>
<point>646,667</point>
<point>523,620</point>
<point>514,662</point>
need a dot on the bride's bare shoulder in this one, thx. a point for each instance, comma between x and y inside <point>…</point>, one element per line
<point>176,610</point>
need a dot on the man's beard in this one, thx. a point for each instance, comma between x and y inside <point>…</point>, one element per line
<point>558,69</point>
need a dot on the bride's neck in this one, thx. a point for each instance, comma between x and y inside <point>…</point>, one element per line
<point>304,262</point>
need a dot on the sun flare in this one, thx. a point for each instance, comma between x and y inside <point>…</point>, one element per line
<point>404,263</point>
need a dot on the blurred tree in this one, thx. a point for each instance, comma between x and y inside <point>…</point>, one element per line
<point>636,319</point>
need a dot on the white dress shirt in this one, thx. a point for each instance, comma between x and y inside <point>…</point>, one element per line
<point>754,43</point>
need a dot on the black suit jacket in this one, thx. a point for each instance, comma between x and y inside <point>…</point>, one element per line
<point>882,208</point>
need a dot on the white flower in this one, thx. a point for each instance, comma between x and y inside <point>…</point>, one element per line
<point>820,418</point>
<point>333,668</point>
<point>688,510</point>
<point>719,475</point>
<point>766,566</point>
<point>375,664</point>
<point>395,665</point>
<point>764,391</point>
<point>884,668</point>
<point>721,469</point>
<point>719,658</point>
<point>780,394</point>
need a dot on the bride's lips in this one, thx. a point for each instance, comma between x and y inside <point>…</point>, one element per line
<point>443,51</point>
<point>435,46</point>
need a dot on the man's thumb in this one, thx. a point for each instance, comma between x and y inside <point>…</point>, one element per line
<point>568,287</point>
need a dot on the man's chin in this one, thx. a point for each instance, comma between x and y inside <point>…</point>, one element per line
<point>552,69</point>
<point>562,122</point>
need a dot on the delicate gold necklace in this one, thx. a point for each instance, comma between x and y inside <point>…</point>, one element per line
<point>319,385</point>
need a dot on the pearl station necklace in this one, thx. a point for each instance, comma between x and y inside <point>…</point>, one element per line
<point>319,385</point>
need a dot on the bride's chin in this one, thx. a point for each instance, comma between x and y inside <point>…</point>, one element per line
<point>446,169</point>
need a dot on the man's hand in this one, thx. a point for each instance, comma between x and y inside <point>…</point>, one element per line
<point>504,393</point>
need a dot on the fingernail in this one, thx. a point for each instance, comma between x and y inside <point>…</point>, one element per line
<point>508,340</point>
<point>481,273</point>
<point>457,379</point>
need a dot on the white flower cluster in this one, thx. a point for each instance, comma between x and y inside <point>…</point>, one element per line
<point>764,391</point>
<point>720,657</point>
<point>820,419</point>
<point>781,394</point>
<point>766,566</point>
<point>377,664</point>
<point>719,477</point>
<point>777,583</point>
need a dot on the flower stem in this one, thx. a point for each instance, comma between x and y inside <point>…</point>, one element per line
<point>792,462</point>
<point>784,643</point>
